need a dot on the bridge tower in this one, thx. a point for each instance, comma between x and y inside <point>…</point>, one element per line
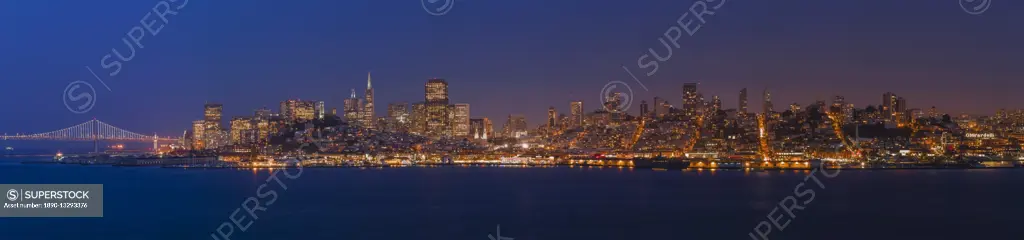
<point>155,145</point>
<point>95,137</point>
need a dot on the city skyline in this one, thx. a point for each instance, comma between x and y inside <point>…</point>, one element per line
<point>912,49</point>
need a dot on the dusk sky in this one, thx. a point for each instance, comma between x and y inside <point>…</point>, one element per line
<point>501,57</point>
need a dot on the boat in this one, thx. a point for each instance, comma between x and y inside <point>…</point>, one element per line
<point>59,157</point>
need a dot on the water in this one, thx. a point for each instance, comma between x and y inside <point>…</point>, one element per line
<point>529,203</point>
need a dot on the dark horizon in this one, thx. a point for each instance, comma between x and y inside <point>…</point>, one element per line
<point>502,58</point>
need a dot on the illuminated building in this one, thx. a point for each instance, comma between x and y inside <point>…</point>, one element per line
<point>644,109</point>
<point>612,101</point>
<point>369,115</point>
<point>552,123</point>
<point>298,110</point>
<point>242,131</point>
<point>460,120</point>
<point>657,108</point>
<point>476,129</point>
<point>213,113</point>
<point>838,102</point>
<point>398,117</point>
<point>352,109</point>
<point>334,111</point>
<point>437,125</point>
<point>198,134</point>
<point>320,110</point>
<point>515,127</point>
<point>716,104</point>
<point>263,113</point>
<point>743,102</point>
<point>888,107</point>
<point>690,100</point>
<point>488,129</point>
<point>768,107</point>
<point>418,118</point>
<point>576,109</point>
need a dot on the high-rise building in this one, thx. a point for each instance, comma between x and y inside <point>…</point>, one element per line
<point>199,134</point>
<point>657,107</point>
<point>460,120</point>
<point>334,111</point>
<point>243,132</point>
<point>644,109</point>
<point>352,109</point>
<point>690,100</point>
<point>212,114</point>
<point>552,122</point>
<point>716,104</point>
<point>768,107</point>
<point>476,128</point>
<point>515,127</point>
<point>436,103</point>
<point>398,117</point>
<point>298,110</point>
<point>613,101</point>
<point>576,109</point>
<point>320,110</point>
<point>418,119</point>
<point>488,129</point>
<point>795,108</point>
<point>888,106</point>
<point>369,114</point>
<point>743,102</point>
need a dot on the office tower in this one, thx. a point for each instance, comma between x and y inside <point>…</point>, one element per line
<point>476,128</point>
<point>398,117</point>
<point>352,109</point>
<point>644,109</point>
<point>488,129</point>
<point>263,130</point>
<point>460,120</point>
<point>516,127</point>
<point>418,119</point>
<point>334,111</point>
<point>199,134</point>
<point>795,108</point>
<point>838,102</point>
<point>298,110</point>
<point>663,107</point>
<point>690,100</point>
<point>848,111</point>
<point>933,113</point>
<point>576,109</point>
<point>901,115</point>
<point>369,115</point>
<point>212,115</point>
<point>320,110</point>
<point>242,131</point>
<point>768,107</point>
<point>888,105</point>
<point>436,103</point>
<point>552,123</point>
<point>716,104</point>
<point>743,102</point>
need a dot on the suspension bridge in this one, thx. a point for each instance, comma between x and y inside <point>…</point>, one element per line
<point>93,130</point>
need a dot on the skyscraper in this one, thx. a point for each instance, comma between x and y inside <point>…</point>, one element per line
<point>298,110</point>
<point>743,102</point>
<point>488,129</point>
<point>576,109</point>
<point>476,129</point>
<point>552,123</point>
<point>768,107</point>
<point>352,109</point>
<point>888,106</point>
<point>212,115</point>
<point>418,119</point>
<point>199,134</point>
<point>436,104</point>
<point>320,110</point>
<point>398,117</point>
<point>242,131</point>
<point>369,115</point>
<point>460,120</point>
<point>515,127</point>
<point>716,104</point>
<point>690,100</point>
<point>644,109</point>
